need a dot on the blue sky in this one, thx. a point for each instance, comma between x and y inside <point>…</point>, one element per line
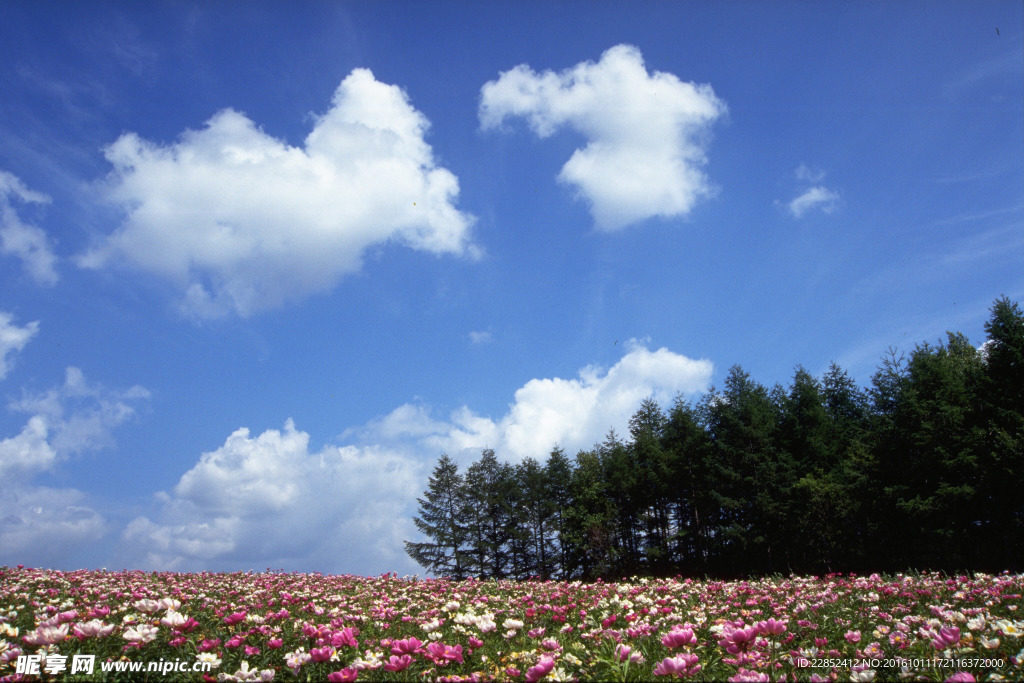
<point>262,263</point>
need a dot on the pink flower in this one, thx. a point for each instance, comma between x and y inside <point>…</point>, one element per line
<point>442,654</point>
<point>541,669</point>
<point>47,635</point>
<point>407,646</point>
<point>275,643</point>
<point>961,677</point>
<point>852,636</point>
<point>99,612</point>
<point>321,654</point>
<point>736,640</point>
<point>209,644</point>
<point>233,619</point>
<point>536,632</point>
<point>746,676</point>
<point>946,637</point>
<point>678,637</point>
<point>475,642</point>
<point>770,627</point>
<point>235,641</point>
<point>512,672</point>
<point>93,629</point>
<point>678,666</point>
<point>624,652</point>
<point>344,638</point>
<point>343,676</point>
<point>251,650</point>
<point>398,663</point>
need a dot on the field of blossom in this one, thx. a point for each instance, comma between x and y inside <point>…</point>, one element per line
<point>285,626</point>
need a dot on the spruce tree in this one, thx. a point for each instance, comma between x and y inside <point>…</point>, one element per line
<point>441,520</point>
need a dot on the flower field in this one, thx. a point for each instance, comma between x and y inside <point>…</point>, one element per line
<point>284,626</point>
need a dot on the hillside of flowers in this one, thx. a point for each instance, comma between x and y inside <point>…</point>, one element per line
<point>310,627</point>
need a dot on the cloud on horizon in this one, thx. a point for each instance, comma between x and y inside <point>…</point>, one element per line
<point>646,133</point>
<point>270,500</point>
<point>242,222</point>
<point>64,421</point>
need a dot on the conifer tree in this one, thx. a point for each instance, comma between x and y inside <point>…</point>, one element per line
<point>441,520</point>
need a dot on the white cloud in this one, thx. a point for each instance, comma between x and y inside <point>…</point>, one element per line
<point>268,500</point>
<point>13,339</point>
<point>80,416</point>
<point>573,413</point>
<point>244,222</point>
<point>39,524</point>
<point>811,175</point>
<point>23,240</point>
<point>817,197</point>
<point>646,133</point>
<point>481,337</point>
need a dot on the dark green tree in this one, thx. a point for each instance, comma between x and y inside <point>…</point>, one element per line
<point>441,520</point>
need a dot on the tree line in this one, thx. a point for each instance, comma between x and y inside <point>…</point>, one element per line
<point>920,470</point>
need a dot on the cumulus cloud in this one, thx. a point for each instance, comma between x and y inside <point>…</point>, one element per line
<point>646,133</point>
<point>243,222</point>
<point>24,240</point>
<point>13,339</point>
<point>269,500</point>
<point>573,413</point>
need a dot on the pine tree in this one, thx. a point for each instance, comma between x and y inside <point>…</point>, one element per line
<point>440,519</point>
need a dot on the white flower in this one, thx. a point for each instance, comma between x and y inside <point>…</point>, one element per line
<point>862,676</point>
<point>512,624</point>
<point>173,619</point>
<point>168,603</point>
<point>209,657</point>
<point>988,643</point>
<point>147,605</point>
<point>977,623</point>
<point>431,625</point>
<point>374,660</point>
<point>141,633</point>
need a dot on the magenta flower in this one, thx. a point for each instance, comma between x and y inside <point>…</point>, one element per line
<point>747,676</point>
<point>679,666</point>
<point>321,654</point>
<point>961,677</point>
<point>275,643</point>
<point>343,676</point>
<point>678,637</point>
<point>770,627</point>
<point>233,619</point>
<point>852,636</point>
<point>541,669</point>
<point>946,637</point>
<point>736,640</point>
<point>475,642</point>
<point>442,654</point>
<point>398,663</point>
<point>209,644</point>
<point>344,638</point>
<point>407,646</point>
